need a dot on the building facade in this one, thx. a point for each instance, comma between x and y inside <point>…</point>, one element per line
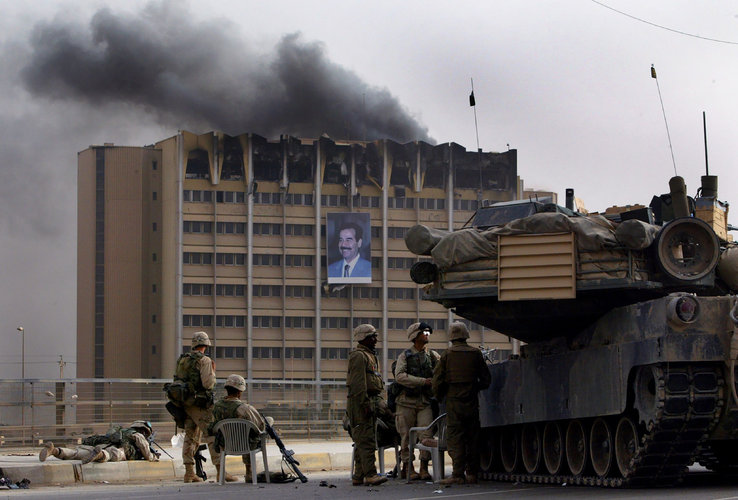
<point>234,235</point>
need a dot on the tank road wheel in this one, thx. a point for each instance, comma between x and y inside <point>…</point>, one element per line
<point>553,448</point>
<point>509,454</point>
<point>530,441</point>
<point>576,447</point>
<point>647,386</point>
<point>626,445</point>
<point>488,450</point>
<point>600,447</point>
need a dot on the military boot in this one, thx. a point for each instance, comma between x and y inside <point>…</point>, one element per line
<point>48,450</point>
<point>414,476</point>
<point>190,476</point>
<point>247,477</point>
<point>97,455</point>
<point>453,480</point>
<point>423,472</point>
<point>374,480</point>
<point>471,478</point>
<point>228,477</point>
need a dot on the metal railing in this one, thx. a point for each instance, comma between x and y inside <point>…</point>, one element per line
<point>66,410</point>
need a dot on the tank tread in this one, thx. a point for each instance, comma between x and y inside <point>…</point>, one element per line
<point>689,400</point>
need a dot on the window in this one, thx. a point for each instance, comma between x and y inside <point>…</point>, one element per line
<point>267,352</point>
<point>298,322</point>
<point>369,201</point>
<point>431,203</point>
<point>400,323</point>
<point>298,260</point>
<point>266,321</point>
<point>299,199</point>
<point>197,289</point>
<point>267,259</point>
<point>153,196</point>
<point>334,353</point>
<point>298,230</point>
<point>154,165</point>
<point>197,258</point>
<point>299,352</point>
<point>298,291</point>
<point>397,232</point>
<point>196,320</point>
<point>333,322</point>
<point>230,352</point>
<point>230,290</point>
<point>267,290</point>
<point>366,292</point>
<point>401,202</point>
<point>153,226</point>
<point>231,227</point>
<point>196,226</point>
<point>153,257</point>
<point>400,293</point>
<point>375,322</point>
<point>153,288</point>
<point>230,197</point>
<point>230,259</point>
<point>230,321</point>
<point>153,318</point>
<point>265,229</point>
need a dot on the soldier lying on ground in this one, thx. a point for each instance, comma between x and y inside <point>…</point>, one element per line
<point>118,444</point>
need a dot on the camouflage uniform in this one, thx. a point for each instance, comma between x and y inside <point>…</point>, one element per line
<point>233,407</point>
<point>365,403</point>
<point>199,371</point>
<point>459,376</point>
<point>413,403</point>
<point>99,448</point>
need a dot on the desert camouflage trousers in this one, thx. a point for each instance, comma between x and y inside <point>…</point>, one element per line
<point>196,424</point>
<point>462,435</point>
<point>85,453</point>
<point>405,418</point>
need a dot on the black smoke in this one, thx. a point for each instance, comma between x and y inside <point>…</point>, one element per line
<point>203,76</point>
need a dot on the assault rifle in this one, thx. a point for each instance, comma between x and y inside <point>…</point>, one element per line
<point>153,443</point>
<point>199,459</point>
<point>288,456</point>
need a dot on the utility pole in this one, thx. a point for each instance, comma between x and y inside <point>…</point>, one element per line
<point>62,364</point>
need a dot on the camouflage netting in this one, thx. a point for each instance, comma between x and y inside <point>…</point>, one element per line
<point>593,234</point>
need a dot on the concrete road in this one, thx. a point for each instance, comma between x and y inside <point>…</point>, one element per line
<point>336,485</point>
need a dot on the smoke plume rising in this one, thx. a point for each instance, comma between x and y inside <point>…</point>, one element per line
<point>203,76</point>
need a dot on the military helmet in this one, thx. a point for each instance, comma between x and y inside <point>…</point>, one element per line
<point>200,338</point>
<point>458,331</point>
<point>363,331</point>
<point>236,381</point>
<point>416,328</point>
<point>143,427</point>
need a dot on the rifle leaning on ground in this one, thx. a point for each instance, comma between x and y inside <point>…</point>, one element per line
<point>199,459</point>
<point>288,456</point>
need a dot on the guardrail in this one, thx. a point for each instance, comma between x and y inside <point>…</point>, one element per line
<point>66,410</point>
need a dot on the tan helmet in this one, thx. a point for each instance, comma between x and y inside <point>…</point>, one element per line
<point>363,331</point>
<point>143,427</point>
<point>236,381</point>
<point>458,331</point>
<point>414,329</point>
<point>200,338</point>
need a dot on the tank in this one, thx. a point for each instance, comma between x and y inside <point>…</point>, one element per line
<point>627,320</point>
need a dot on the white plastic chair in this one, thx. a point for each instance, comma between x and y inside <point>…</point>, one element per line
<point>437,452</point>
<point>236,436</point>
<point>380,450</point>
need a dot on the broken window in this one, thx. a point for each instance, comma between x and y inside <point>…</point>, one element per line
<point>198,165</point>
<point>232,159</point>
<point>434,165</point>
<point>300,161</point>
<point>337,164</point>
<point>403,163</point>
<point>267,159</point>
<point>369,166</point>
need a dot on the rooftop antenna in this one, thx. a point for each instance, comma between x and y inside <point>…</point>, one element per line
<point>653,75</point>
<point>704,129</point>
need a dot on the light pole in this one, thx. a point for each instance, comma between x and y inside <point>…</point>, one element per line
<point>23,376</point>
<point>23,351</point>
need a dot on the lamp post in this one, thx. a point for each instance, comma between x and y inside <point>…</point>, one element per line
<point>23,351</point>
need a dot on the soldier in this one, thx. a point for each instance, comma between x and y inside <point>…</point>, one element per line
<point>198,371</point>
<point>231,406</point>
<point>458,377</point>
<point>414,372</point>
<point>365,404</point>
<point>117,445</point>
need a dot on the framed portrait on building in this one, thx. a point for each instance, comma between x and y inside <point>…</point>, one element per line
<point>348,245</point>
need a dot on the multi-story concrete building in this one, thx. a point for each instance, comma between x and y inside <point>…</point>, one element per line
<point>227,234</point>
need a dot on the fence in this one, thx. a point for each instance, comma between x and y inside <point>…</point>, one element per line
<point>65,410</point>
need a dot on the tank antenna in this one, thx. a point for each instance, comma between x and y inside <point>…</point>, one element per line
<point>473,104</point>
<point>653,75</point>
<point>704,129</point>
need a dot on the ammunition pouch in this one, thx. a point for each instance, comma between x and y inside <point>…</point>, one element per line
<point>204,400</point>
<point>178,392</point>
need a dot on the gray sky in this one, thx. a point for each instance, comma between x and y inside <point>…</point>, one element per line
<point>565,82</point>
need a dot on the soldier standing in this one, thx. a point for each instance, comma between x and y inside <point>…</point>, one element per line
<point>458,377</point>
<point>414,372</point>
<point>231,406</point>
<point>365,404</point>
<point>198,371</point>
